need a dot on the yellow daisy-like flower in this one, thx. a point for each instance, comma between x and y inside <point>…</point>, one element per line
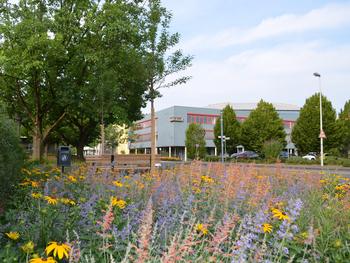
<point>34,184</point>
<point>267,228</point>
<point>72,179</point>
<point>280,214</point>
<point>13,235</point>
<point>325,196</point>
<point>43,260</point>
<point>201,229</point>
<point>207,179</point>
<point>51,200</point>
<point>117,184</point>
<point>67,201</point>
<point>28,247</point>
<point>118,202</point>
<point>59,249</point>
<point>37,195</point>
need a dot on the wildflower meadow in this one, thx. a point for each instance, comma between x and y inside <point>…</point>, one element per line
<point>198,212</point>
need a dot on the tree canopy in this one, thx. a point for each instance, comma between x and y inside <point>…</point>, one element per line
<point>74,64</point>
<point>263,124</point>
<point>344,128</point>
<point>231,129</point>
<point>306,131</point>
<point>195,141</point>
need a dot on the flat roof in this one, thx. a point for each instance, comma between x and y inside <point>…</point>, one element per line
<point>252,106</point>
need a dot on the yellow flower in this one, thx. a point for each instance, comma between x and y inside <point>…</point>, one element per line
<point>28,247</point>
<point>42,260</point>
<point>267,228</point>
<point>118,184</point>
<point>280,214</point>
<point>67,201</point>
<point>339,195</point>
<point>72,179</point>
<point>37,195</point>
<point>58,249</point>
<point>13,235</point>
<point>202,229</point>
<point>338,243</point>
<point>207,179</point>
<point>120,203</point>
<point>24,183</point>
<point>51,200</point>
<point>325,196</point>
<point>34,184</point>
<point>323,181</point>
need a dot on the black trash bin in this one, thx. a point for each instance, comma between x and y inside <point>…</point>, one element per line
<point>64,157</point>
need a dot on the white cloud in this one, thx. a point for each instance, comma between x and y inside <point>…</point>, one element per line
<point>278,74</point>
<point>327,17</point>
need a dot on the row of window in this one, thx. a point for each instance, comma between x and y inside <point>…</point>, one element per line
<point>143,125</point>
<point>201,119</point>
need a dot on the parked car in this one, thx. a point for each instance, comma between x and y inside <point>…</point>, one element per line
<point>245,155</point>
<point>309,157</point>
<point>313,153</point>
<point>284,155</point>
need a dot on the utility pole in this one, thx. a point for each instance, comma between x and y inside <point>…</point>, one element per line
<point>222,137</point>
<point>322,134</point>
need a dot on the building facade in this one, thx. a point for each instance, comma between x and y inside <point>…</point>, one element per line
<point>171,125</point>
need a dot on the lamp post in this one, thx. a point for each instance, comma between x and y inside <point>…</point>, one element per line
<point>322,134</point>
<point>222,137</point>
<point>226,139</point>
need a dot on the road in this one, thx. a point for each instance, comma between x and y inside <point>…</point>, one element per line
<point>343,171</point>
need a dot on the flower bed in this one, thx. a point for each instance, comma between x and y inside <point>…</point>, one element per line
<point>193,213</point>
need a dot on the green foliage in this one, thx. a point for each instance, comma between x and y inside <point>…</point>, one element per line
<point>271,149</point>
<point>300,160</point>
<point>114,135</point>
<point>263,124</point>
<point>11,158</point>
<point>157,44</point>
<point>343,125</point>
<point>231,129</point>
<point>306,131</point>
<point>195,141</point>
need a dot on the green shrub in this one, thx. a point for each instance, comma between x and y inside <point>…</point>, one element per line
<point>346,162</point>
<point>210,158</point>
<point>11,158</point>
<point>300,160</point>
<point>271,149</point>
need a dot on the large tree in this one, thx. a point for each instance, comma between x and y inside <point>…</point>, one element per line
<point>159,43</point>
<point>231,129</point>
<point>343,124</point>
<point>195,141</point>
<point>33,56</point>
<point>305,133</point>
<point>263,124</point>
<point>77,61</point>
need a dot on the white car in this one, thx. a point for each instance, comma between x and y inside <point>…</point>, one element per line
<point>309,157</point>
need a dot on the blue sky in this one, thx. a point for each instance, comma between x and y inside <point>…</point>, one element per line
<point>247,50</point>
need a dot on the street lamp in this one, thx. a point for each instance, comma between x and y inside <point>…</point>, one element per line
<point>223,140</point>
<point>226,139</point>
<point>322,134</point>
<point>222,137</point>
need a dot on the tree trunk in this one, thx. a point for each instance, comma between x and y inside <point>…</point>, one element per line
<point>37,141</point>
<point>80,151</point>
<point>153,137</point>
<point>102,139</point>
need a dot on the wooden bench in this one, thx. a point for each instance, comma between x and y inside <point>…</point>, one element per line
<point>123,160</point>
